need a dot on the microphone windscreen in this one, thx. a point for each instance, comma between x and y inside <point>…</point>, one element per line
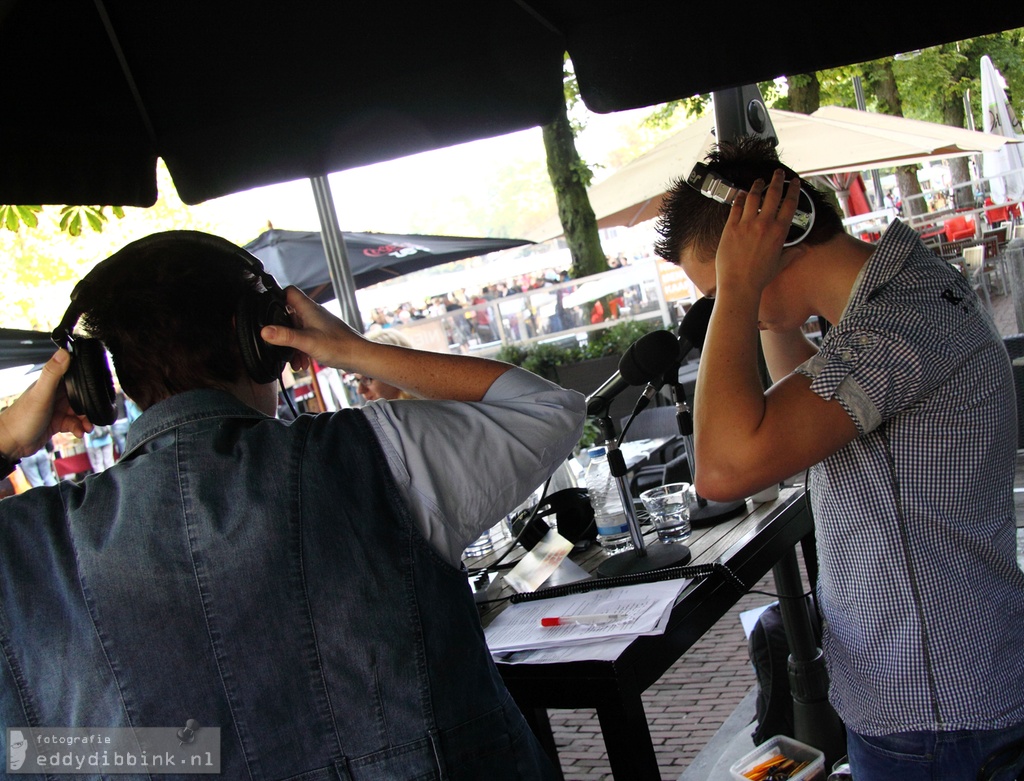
<point>649,357</point>
<point>694,327</point>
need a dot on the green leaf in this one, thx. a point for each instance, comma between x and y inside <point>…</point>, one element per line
<point>27,214</point>
<point>96,219</point>
<point>12,217</point>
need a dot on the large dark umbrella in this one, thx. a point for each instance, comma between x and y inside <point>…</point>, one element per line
<point>234,95</point>
<point>24,348</point>
<point>298,258</point>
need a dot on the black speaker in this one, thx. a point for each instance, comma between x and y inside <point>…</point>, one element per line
<point>89,381</point>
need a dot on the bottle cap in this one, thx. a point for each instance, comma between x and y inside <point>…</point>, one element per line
<point>596,452</point>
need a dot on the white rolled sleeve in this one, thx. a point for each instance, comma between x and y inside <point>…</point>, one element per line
<point>463,466</point>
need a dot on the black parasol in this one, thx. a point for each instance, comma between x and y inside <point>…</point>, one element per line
<point>298,258</point>
<point>233,96</point>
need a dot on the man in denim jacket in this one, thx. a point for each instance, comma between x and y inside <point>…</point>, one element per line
<point>297,585</point>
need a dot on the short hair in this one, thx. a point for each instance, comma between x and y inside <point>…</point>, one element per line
<point>689,219</point>
<point>165,310</point>
<point>390,336</point>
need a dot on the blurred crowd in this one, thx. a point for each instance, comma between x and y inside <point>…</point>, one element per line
<point>438,305</point>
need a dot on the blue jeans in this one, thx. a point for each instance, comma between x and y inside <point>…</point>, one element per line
<point>937,756</point>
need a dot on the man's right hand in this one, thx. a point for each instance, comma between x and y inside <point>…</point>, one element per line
<point>40,412</point>
<point>319,335</point>
<point>316,334</point>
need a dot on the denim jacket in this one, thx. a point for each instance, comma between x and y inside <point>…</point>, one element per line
<point>258,576</point>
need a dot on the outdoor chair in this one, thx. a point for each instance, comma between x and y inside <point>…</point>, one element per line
<point>953,251</point>
<point>958,227</point>
<point>671,464</point>
<point>974,270</point>
<point>1015,347</point>
<point>997,215</point>
<point>995,263</point>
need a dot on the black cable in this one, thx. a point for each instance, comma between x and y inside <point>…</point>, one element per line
<point>287,396</point>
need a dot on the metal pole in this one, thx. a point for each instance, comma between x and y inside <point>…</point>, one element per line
<point>876,180</point>
<point>815,722</point>
<point>334,248</point>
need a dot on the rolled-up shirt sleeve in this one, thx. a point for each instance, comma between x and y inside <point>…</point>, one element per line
<point>463,466</point>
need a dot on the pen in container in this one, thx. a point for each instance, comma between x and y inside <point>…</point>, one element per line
<point>584,620</point>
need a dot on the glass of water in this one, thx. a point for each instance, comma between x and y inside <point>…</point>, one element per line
<point>669,508</point>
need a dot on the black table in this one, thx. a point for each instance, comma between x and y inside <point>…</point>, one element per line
<point>749,544</point>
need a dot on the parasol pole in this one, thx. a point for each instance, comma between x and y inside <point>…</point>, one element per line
<point>334,248</point>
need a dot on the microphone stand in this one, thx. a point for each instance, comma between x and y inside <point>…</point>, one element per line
<point>703,512</point>
<point>642,558</point>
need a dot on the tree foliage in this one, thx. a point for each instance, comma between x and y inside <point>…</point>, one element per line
<point>55,246</point>
<point>933,85</point>
<point>73,219</point>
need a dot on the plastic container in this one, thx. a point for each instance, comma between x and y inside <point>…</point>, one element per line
<point>786,747</point>
<point>612,526</point>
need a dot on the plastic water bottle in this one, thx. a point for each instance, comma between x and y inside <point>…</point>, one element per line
<point>612,527</point>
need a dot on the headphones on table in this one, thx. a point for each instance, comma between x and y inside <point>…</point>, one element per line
<point>712,185</point>
<point>574,518</point>
<point>89,381</point>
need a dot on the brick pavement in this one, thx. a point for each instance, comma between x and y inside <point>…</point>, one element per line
<point>686,707</point>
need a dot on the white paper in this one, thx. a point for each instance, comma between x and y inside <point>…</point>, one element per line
<point>602,651</point>
<point>748,618</point>
<point>646,605</point>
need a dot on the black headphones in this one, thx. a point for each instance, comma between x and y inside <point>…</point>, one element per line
<point>574,517</point>
<point>89,381</point>
<point>711,185</point>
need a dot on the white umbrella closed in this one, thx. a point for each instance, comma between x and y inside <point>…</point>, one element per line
<point>1007,164</point>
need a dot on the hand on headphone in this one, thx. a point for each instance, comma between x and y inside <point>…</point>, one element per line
<point>40,412</point>
<point>317,334</point>
<point>750,250</point>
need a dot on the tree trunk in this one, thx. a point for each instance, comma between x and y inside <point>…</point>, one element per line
<point>804,93</point>
<point>909,184</point>
<point>569,179</point>
<point>882,82</point>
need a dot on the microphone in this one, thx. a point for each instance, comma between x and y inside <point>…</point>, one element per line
<point>644,361</point>
<point>694,327</point>
<point>692,331</point>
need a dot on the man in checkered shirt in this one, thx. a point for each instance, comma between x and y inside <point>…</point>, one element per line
<point>906,418</point>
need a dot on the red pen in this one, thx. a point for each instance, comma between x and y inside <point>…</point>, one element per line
<point>584,620</point>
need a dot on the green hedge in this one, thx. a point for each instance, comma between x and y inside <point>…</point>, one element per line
<point>544,358</point>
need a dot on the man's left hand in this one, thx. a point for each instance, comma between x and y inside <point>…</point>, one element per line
<point>40,412</point>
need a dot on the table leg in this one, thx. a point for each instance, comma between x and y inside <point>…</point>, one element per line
<point>539,722</point>
<point>627,738</point>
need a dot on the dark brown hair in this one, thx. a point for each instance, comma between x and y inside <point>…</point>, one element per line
<point>690,219</point>
<point>166,314</point>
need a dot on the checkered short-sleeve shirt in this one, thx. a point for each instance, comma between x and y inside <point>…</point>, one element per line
<point>919,586</point>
